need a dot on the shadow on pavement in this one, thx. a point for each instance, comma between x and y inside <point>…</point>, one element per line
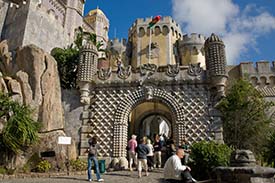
<point>70,178</point>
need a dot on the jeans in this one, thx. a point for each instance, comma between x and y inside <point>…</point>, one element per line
<point>90,159</point>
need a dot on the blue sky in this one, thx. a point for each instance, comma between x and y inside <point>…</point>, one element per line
<point>247,27</point>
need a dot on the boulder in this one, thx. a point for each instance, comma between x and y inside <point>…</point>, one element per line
<point>3,86</point>
<point>44,85</point>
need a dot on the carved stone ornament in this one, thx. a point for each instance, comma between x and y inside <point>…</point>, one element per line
<point>148,69</point>
<point>104,74</point>
<point>242,158</point>
<point>148,92</point>
<point>154,52</point>
<point>173,70</point>
<point>194,69</point>
<point>124,72</point>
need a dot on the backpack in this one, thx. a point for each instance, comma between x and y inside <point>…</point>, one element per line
<point>92,150</point>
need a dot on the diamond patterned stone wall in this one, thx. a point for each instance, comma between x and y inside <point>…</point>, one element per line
<point>194,102</point>
<point>107,117</point>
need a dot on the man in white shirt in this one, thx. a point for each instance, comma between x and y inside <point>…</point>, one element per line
<point>175,172</point>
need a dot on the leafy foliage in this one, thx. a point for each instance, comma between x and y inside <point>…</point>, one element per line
<point>245,122</point>
<point>206,156</point>
<point>44,166</point>
<point>78,165</point>
<point>3,170</point>
<point>269,154</point>
<point>67,60</point>
<point>20,131</point>
<point>32,163</point>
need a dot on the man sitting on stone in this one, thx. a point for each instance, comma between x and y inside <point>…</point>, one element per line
<point>175,172</point>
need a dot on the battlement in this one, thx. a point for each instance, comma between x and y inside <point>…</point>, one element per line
<point>193,39</point>
<point>144,22</point>
<point>116,41</point>
<point>260,74</point>
<point>260,67</point>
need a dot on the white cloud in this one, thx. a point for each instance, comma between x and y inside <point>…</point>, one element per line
<point>239,29</point>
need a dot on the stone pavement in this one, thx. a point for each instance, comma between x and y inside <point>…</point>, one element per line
<point>110,177</point>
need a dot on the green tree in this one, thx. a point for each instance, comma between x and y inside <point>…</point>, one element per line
<point>245,122</point>
<point>269,154</point>
<point>67,60</point>
<point>20,130</point>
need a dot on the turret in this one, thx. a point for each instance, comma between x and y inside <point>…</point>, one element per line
<point>215,65</point>
<point>87,70</point>
<point>191,50</point>
<point>97,19</point>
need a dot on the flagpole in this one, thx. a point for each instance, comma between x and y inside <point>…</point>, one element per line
<point>150,42</point>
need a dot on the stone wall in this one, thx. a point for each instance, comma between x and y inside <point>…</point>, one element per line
<point>14,26</point>
<point>3,10</point>
<point>72,111</point>
<point>108,115</point>
<point>43,29</point>
<point>33,24</point>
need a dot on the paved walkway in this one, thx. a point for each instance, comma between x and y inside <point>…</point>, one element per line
<point>110,177</point>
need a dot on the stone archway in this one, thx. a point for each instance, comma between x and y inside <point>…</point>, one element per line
<point>139,122</point>
<point>131,101</point>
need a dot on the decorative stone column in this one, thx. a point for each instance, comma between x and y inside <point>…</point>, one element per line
<point>217,77</point>
<point>215,65</point>
<point>87,70</point>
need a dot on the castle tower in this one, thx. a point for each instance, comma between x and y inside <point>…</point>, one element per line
<point>87,70</point>
<point>117,50</point>
<point>47,23</point>
<point>163,36</point>
<point>97,19</point>
<point>216,65</point>
<point>191,50</point>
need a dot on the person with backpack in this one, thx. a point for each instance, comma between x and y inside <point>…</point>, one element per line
<point>92,157</point>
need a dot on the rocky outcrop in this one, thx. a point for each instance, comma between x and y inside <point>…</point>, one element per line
<point>32,79</point>
<point>44,86</point>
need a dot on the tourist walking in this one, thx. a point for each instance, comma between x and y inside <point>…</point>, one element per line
<point>157,152</point>
<point>150,155</point>
<point>142,151</point>
<point>92,157</point>
<point>132,145</point>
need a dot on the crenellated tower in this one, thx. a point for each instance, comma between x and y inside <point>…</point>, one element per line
<point>216,65</point>
<point>163,37</point>
<point>191,50</point>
